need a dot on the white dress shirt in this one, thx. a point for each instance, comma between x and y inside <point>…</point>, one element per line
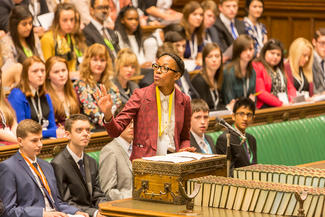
<point>127,147</point>
<point>47,207</point>
<point>166,140</point>
<point>227,22</point>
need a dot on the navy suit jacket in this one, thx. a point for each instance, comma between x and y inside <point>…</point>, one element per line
<point>20,192</point>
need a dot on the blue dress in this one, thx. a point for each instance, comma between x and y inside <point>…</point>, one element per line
<point>21,106</point>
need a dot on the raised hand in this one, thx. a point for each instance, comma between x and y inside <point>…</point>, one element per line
<point>104,101</point>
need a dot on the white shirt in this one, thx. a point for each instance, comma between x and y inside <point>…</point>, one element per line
<point>127,147</point>
<point>166,140</point>
<point>77,159</point>
<point>74,156</point>
<point>133,46</point>
<point>47,207</point>
<point>202,143</point>
<point>227,22</point>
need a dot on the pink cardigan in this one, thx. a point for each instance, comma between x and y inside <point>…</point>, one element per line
<point>264,86</point>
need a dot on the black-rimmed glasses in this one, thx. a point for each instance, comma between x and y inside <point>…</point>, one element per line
<point>163,69</point>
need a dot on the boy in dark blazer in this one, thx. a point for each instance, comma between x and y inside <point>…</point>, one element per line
<point>77,172</point>
<point>242,153</point>
<point>29,184</point>
<point>199,125</point>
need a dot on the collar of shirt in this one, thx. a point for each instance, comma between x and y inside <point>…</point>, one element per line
<point>74,156</point>
<point>226,21</point>
<point>33,90</point>
<point>164,98</point>
<point>198,139</point>
<point>124,144</point>
<point>97,25</point>
<point>32,161</point>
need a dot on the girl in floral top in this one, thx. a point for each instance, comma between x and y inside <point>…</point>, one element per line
<point>95,71</point>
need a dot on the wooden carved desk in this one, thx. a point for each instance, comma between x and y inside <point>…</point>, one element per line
<point>136,208</point>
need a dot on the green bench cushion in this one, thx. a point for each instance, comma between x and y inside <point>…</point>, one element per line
<point>289,143</point>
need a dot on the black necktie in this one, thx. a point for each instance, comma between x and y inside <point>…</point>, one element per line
<point>82,169</point>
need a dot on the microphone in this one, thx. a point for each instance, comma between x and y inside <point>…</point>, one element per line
<point>222,122</point>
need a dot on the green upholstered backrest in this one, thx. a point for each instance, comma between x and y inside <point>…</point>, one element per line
<point>289,143</point>
<point>94,154</point>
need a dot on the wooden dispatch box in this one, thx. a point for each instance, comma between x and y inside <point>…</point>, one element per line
<point>160,181</point>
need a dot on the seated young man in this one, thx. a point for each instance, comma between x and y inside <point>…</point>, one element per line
<point>115,168</point>
<point>161,113</point>
<point>29,184</point>
<point>76,172</point>
<point>199,125</point>
<point>242,153</point>
<point>227,26</point>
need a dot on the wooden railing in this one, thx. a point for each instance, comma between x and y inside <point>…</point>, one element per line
<point>98,140</point>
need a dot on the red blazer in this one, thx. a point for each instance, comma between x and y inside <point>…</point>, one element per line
<point>264,85</point>
<point>142,108</point>
<point>288,70</point>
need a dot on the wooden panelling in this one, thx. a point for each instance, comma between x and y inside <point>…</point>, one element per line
<point>285,19</point>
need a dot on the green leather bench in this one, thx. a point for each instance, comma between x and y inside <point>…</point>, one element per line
<point>289,143</point>
<point>286,143</point>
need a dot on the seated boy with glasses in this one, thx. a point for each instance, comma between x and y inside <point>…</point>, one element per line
<point>161,113</point>
<point>242,153</point>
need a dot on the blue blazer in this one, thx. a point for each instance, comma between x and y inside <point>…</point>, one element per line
<point>21,105</point>
<point>20,193</point>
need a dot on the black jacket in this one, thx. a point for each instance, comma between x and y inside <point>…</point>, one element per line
<point>72,187</point>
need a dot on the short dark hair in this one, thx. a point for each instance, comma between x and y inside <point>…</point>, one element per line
<point>73,118</point>
<point>28,126</point>
<point>198,105</point>
<point>178,60</point>
<point>248,3</point>
<point>319,32</point>
<point>244,102</point>
<point>173,36</point>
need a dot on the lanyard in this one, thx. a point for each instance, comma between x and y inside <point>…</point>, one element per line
<point>170,104</point>
<point>74,48</point>
<point>193,47</point>
<point>66,107</point>
<point>38,110</point>
<point>248,151</point>
<point>215,97</point>
<point>302,82</point>
<point>40,175</point>
<point>245,86</point>
<point>28,52</point>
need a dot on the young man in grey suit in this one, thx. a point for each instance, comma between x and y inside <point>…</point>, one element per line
<point>77,172</point>
<point>319,61</point>
<point>115,168</point>
<point>199,125</point>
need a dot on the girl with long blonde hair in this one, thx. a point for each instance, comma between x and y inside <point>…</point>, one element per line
<point>96,70</point>
<point>299,66</point>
